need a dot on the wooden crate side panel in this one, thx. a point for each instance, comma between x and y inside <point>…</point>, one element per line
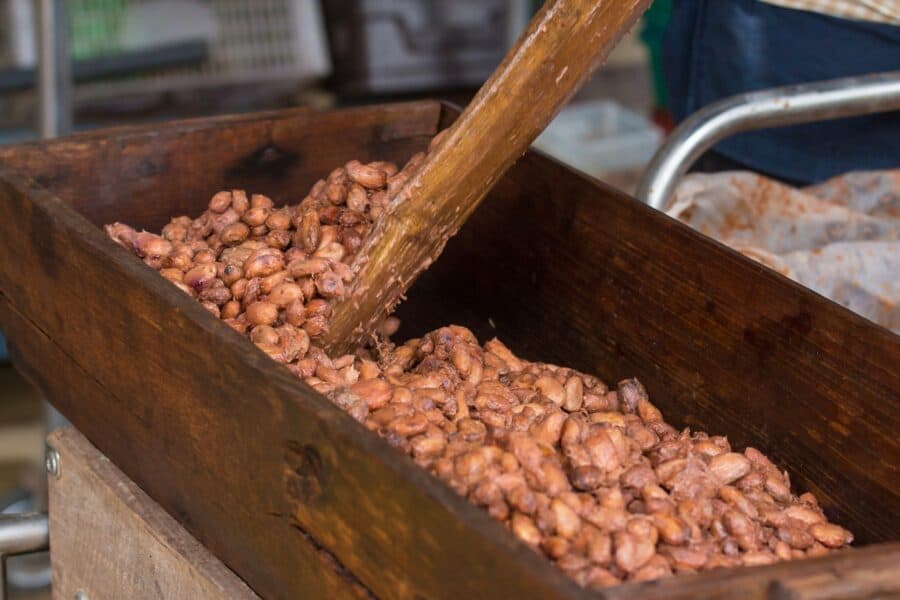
<point>568,271</point>
<point>300,564</point>
<point>112,541</point>
<point>145,175</point>
<point>229,442</point>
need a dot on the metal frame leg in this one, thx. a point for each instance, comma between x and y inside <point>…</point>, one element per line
<point>21,534</point>
<point>54,69</point>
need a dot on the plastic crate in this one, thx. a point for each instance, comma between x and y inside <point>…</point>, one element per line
<point>600,137</point>
<point>248,41</point>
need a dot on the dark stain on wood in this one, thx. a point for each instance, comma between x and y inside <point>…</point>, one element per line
<point>270,161</point>
<point>304,477</point>
<point>41,238</point>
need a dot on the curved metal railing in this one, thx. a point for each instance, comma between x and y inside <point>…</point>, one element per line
<point>776,107</point>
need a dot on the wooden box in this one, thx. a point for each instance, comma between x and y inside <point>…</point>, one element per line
<point>296,497</point>
<point>135,549</point>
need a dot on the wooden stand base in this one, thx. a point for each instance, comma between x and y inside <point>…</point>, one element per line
<point>110,540</point>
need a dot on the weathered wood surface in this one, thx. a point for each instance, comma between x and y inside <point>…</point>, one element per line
<point>560,48</point>
<point>293,495</point>
<point>568,271</point>
<point>301,563</point>
<point>265,472</point>
<point>148,174</point>
<point>110,540</point>
<point>871,572</point>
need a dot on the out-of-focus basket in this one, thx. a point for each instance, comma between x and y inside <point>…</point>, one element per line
<point>263,40</point>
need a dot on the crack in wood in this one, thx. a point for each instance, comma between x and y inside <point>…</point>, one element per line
<point>331,562</point>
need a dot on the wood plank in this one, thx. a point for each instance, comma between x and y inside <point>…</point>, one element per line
<point>310,567</point>
<point>568,271</point>
<point>135,549</point>
<point>229,442</point>
<point>872,572</point>
<point>150,173</point>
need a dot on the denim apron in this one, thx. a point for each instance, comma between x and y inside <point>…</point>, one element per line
<point>718,48</point>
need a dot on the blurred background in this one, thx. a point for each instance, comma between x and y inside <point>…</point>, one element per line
<point>138,61</point>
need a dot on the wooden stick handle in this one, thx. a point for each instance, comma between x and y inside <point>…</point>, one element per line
<point>562,46</point>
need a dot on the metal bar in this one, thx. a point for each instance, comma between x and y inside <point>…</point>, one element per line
<point>54,69</point>
<point>777,107</point>
<point>21,534</point>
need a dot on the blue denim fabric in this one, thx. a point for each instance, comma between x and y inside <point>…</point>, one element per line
<point>718,48</point>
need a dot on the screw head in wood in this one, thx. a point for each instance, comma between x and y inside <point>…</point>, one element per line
<point>51,461</point>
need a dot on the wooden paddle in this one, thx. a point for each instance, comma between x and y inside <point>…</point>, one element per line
<point>562,46</point>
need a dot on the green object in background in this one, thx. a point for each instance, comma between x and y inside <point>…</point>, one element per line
<point>94,26</point>
<point>656,19</point>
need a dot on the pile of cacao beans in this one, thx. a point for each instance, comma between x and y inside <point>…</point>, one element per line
<point>588,475</point>
<point>271,272</point>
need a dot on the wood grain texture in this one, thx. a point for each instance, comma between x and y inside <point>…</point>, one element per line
<point>872,572</point>
<point>568,271</point>
<point>151,173</point>
<point>293,495</point>
<point>265,472</point>
<point>110,540</point>
<point>563,44</point>
<point>303,564</point>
